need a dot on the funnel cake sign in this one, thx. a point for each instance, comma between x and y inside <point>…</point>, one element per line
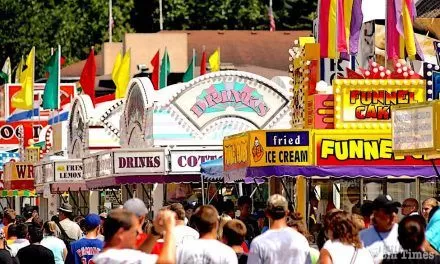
<point>243,97</point>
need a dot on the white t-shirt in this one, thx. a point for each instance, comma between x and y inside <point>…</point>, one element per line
<point>124,256</point>
<point>343,254</point>
<point>207,251</point>
<point>72,229</point>
<point>17,245</point>
<point>57,247</point>
<point>281,246</point>
<point>184,233</point>
<point>380,244</point>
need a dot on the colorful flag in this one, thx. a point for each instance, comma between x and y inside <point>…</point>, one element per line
<point>327,28</point>
<point>155,73</point>
<point>24,99</point>
<point>203,63</point>
<point>6,72</point>
<point>271,20</point>
<point>122,77</point>
<point>51,95</point>
<point>88,74</point>
<point>189,74</point>
<point>214,61</point>
<point>116,66</point>
<point>19,70</point>
<point>165,69</point>
<point>400,32</point>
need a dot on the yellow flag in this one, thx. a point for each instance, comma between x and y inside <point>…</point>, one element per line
<point>24,99</point>
<point>116,66</point>
<point>214,61</point>
<point>18,70</point>
<point>122,76</point>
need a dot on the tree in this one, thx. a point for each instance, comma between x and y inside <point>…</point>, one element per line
<point>74,24</point>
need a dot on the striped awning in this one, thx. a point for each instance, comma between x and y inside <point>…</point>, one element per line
<point>17,193</point>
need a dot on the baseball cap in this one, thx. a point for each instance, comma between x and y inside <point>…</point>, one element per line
<point>92,220</point>
<point>136,206</point>
<point>277,202</point>
<point>385,202</point>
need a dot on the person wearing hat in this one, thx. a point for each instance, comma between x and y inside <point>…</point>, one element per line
<point>70,228</point>
<point>280,244</point>
<point>381,238</point>
<point>138,208</point>
<point>83,250</point>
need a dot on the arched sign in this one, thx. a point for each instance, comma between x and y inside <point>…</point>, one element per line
<point>78,127</point>
<point>231,94</point>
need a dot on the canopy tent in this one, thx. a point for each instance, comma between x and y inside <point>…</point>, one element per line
<point>17,193</point>
<point>212,170</point>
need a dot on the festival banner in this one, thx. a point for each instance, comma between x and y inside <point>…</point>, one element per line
<point>359,147</point>
<point>236,152</point>
<point>19,176</point>
<point>367,104</point>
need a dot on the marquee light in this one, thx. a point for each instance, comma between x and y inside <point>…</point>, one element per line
<point>431,73</point>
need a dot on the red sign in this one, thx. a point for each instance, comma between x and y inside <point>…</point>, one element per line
<point>19,176</point>
<point>10,132</point>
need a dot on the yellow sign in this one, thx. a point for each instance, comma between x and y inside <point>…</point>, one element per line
<point>415,129</point>
<point>235,152</point>
<point>19,175</point>
<point>267,148</point>
<point>358,147</point>
<point>283,147</point>
<point>367,103</point>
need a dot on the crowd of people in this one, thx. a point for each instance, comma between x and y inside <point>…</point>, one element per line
<point>184,234</point>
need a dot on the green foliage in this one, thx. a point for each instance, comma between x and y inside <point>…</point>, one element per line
<point>74,24</point>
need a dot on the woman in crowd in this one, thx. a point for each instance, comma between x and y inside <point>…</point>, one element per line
<point>427,206</point>
<point>322,235</point>
<point>344,245</point>
<point>411,236</point>
<point>53,243</point>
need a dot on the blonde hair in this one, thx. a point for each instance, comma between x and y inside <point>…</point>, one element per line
<point>431,202</point>
<point>223,219</point>
<point>50,228</point>
<point>358,221</point>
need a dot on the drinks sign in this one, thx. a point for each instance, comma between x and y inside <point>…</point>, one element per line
<point>232,94</point>
<point>139,162</point>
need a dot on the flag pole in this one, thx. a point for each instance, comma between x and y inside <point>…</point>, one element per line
<point>110,20</point>
<point>194,63</point>
<point>59,76</point>
<point>160,16</point>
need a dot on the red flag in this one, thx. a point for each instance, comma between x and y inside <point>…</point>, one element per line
<point>88,74</point>
<point>271,20</point>
<point>203,63</point>
<point>155,74</point>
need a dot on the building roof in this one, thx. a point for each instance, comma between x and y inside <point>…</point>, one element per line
<point>75,69</point>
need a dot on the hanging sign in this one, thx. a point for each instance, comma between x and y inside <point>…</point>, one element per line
<point>48,172</point>
<point>105,165</point>
<point>415,129</point>
<point>139,162</point>
<point>68,171</point>
<point>359,147</point>
<point>189,161</point>
<point>90,167</point>
<point>19,176</point>
<point>39,174</point>
<point>367,103</point>
<point>236,152</point>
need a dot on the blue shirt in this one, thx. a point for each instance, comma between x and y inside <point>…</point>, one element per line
<point>432,233</point>
<point>57,247</point>
<point>85,249</point>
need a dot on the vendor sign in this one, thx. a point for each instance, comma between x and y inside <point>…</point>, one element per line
<point>189,161</point>
<point>267,148</point>
<point>139,162</point>
<point>19,176</point>
<point>68,171</point>
<point>367,104</point>
<point>359,147</point>
<point>415,128</point>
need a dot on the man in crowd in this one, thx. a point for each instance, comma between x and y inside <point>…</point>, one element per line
<point>207,249</point>
<point>21,241</point>
<point>138,208</point>
<point>120,231</point>
<point>234,232</point>
<point>83,250</point>
<point>245,206</point>
<point>35,253</point>
<point>69,228</point>
<point>182,232</point>
<point>381,238</point>
<point>280,244</point>
<point>410,207</point>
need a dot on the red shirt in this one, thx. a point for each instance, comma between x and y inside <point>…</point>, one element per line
<point>157,248</point>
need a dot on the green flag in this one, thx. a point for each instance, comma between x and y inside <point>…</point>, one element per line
<point>164,70</point>
<point>51,95</point>
<point>189,74</point>
<point>6,72</point>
